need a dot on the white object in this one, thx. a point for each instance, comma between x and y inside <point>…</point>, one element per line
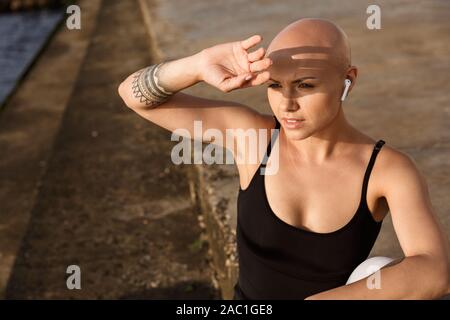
<point>347,83</point>
<point>368,267</point>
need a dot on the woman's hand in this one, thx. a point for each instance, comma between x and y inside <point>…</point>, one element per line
<point>228,66</point>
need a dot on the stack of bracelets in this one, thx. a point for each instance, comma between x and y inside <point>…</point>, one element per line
<point>147,89</point>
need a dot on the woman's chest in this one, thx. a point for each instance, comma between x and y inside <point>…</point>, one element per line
<point>316,199</point>
<point>321,198</point>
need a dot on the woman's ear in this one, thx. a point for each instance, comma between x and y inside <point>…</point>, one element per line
<point>352,74</point>
<point>349,81</point>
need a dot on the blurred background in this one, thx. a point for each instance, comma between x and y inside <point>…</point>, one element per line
<point>85,181</point>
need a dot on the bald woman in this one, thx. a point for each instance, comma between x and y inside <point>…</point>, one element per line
<point>303,229</point>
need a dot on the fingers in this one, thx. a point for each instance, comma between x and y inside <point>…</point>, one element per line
<point>260,65</point>
<point>233,83</point>
<point>256,55</point>
<point>260,78</point>
<point>242,81</point>
<point>250,42</point>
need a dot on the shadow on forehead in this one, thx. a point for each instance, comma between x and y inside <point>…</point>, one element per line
<point>306,57</point>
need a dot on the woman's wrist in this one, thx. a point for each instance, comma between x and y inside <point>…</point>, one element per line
<point>176,75</point>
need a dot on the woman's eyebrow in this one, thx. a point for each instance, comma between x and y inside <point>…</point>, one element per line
<point>297,80</point>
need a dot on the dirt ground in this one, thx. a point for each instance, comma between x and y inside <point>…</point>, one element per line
<point>110,200</point>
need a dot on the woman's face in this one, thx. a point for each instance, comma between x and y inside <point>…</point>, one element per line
<point>309,88</point>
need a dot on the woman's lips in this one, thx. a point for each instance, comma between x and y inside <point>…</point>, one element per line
<point>293,123</point>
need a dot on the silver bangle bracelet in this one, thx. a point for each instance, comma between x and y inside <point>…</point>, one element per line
<point>147,88</point>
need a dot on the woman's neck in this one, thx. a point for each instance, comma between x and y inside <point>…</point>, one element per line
<point>322,145</point>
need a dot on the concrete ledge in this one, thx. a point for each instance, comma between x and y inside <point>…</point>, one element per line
<point>215,192</point>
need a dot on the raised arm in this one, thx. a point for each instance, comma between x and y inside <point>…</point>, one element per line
<point>224,66</point>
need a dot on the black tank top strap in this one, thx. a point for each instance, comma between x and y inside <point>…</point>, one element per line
<point>277,123</point>
<point>275,134</point>
<point>375,151</point>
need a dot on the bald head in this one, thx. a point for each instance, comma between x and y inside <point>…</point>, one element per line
<point>315,42</point>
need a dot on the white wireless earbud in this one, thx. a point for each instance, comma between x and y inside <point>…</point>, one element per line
<point>347,83</point>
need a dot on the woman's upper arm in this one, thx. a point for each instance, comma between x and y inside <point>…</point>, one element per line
<point>182,110</point>
<point>415,222</point>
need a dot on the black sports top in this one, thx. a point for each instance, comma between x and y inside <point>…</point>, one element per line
<point>280,261</point>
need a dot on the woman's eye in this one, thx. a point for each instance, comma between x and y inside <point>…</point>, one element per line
<point>301,85</point>
<point>272,85</point>
<point>305,85</point>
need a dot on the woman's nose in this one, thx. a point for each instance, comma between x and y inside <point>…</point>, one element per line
<point>289,105</point>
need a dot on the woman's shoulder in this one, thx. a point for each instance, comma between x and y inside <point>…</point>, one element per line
<point>391,161</point>
<point>362,141</point>
<point>388,155</point>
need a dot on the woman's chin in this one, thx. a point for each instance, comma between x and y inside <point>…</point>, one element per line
<point>296,134</point>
